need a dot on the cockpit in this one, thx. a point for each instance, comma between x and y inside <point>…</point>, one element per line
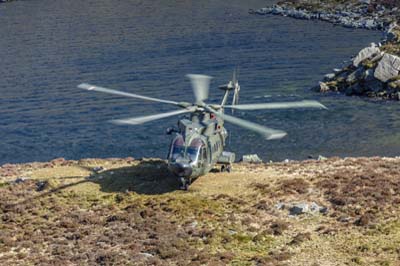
<point>191,153</point>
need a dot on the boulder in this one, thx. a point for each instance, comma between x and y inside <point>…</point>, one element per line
<point>371,83</point>
<point>251,158</point>
<point>387,68</point>
<point>369,24</point>
<point>355,89</point>
<point>329,76</point>
<point>300,208</point>
<point>306,207</point>
<point>355,75</point>
<point>321,87</point>
<point>337,70</point>
<point>365,53</point>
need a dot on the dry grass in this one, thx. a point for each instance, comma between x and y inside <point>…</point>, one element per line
<point>130,213</point>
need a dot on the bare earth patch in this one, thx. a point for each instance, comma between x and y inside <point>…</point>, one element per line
<point>129,212</point>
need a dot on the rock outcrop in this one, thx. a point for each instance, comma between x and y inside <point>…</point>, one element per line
<point>361,14</point>
<point>373,72</point>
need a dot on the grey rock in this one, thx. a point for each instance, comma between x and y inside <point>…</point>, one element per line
<point>371,83</point>
<point>365,53</point>
<point>387,68</point>
<point>146,255</point>
<point>369,24</point>
<point>344,219</point>
<point>19,180</point>
<point>369,74</point>
<point>280,205</point>
<point>356,75</point>
<point>337,70</point>
<point>97,169</point>
<point>390,36</point>
<point>193,224</point>
<point>355,89</point>
<point>321,87</point>
<point>41,185</point>
<point>324,210</point>
<point>298,209</point>
<point>314,207</point>
<point>329,77</point>
<point>251,158</point>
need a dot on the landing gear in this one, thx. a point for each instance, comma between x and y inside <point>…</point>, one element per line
<point>226,168</point>
<point>185,183</point>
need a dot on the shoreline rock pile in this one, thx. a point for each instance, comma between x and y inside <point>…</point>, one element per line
<point>374,72</point>
<point>362,14</point>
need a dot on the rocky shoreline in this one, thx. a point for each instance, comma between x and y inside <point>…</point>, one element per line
<point>361,14</point>
<point>374,71</point>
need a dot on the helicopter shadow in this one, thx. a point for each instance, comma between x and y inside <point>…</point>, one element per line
<point>147,177</point>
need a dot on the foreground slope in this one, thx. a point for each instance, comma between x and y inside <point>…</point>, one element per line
<point>130,213</point>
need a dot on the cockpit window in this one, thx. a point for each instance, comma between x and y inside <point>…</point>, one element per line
<point>194,149</point>
<point>178,148</point>
<point>193,153</point>
<point>177,151</point>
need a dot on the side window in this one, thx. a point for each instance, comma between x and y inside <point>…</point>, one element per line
<point>203,156</point>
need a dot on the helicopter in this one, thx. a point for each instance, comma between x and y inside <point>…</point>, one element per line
<point>199,141</point>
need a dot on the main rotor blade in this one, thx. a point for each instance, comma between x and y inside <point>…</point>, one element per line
<point>268,133</point>
<point>144,119</point>
<point>201,85</point>
<point>281,105</point>
<point>90,87</point>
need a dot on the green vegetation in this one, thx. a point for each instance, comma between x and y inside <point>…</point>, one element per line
<point>66,213</point>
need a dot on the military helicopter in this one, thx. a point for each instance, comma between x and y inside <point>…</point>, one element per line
<point>200,139</point>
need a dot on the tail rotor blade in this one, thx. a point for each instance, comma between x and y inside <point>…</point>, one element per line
<point>201,85</point>
<point>144,119</point>
<point>280,105</point>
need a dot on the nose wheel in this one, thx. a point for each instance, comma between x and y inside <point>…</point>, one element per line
<point>226,168</point>
<point>185,183</point>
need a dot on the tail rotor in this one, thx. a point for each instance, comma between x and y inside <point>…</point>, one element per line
<point>235,87</point>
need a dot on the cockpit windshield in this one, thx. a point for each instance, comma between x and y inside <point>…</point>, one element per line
<point>194,149</point>
<point>178,149</point>
<point>193,153</point>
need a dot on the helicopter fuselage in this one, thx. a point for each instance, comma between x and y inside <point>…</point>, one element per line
<point>197,146</point>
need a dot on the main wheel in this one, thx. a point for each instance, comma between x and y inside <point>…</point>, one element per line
<point>223,168</point>
<point>228,168</point>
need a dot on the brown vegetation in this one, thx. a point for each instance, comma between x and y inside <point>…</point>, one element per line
<point>65,213</point>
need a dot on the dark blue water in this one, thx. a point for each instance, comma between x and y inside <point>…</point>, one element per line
<point>48,47</point>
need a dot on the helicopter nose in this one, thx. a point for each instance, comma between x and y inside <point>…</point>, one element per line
<point>181,169</point>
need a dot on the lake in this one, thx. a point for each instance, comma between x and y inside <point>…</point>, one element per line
<point>147,47</point>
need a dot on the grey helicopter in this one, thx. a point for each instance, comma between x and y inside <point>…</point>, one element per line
<point>200,139</point>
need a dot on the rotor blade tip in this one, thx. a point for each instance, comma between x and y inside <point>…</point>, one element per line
<point>276,136</point>
<point>86,86</point>
<point>119,122</point>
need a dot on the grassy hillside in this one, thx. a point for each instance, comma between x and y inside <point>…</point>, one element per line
<point>130,213</point>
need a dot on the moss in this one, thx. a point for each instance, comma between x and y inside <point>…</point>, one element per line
<point>357,260</point>
<point>368,64</point>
